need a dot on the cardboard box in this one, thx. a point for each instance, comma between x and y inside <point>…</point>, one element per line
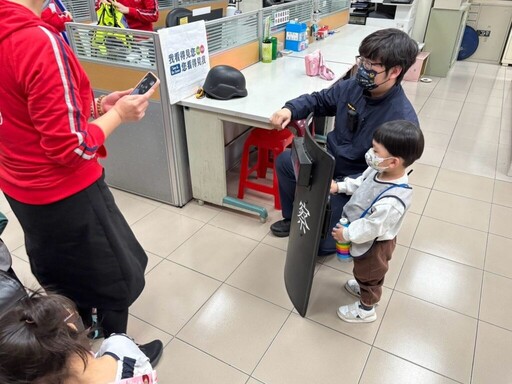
<point>418,68</point>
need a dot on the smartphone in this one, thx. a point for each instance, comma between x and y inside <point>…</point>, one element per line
<point>148,81</point>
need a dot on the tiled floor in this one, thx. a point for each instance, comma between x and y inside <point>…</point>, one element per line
<point>215,293</point>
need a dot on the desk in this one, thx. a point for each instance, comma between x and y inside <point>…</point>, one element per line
<point>342,46</point>
<point>269,86</point>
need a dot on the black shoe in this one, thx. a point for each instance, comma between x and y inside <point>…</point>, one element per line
<point>153,350</point>
<point>281,228</point>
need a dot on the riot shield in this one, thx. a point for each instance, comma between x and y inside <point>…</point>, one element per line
<point>314,169</point>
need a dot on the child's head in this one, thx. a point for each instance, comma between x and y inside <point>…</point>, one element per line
<point>37,339</point>
<point>396,145</point>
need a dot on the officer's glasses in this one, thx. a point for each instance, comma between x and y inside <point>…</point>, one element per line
<point>366,64</point>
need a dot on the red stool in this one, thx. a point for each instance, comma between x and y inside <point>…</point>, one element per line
<point>265,140</point>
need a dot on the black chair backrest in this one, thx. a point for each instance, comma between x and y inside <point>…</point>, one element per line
<point>174,16</point>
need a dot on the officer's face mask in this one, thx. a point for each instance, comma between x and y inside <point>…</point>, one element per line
<point>374,161</point>
<point>366,75</point>
<point>366,78</point>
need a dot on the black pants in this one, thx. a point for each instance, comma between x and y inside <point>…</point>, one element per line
<point>83,248</point>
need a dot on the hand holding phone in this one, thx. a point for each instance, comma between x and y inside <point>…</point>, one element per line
<point>148,81</point>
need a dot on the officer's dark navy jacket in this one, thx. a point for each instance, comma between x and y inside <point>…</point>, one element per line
<point>346,146</point>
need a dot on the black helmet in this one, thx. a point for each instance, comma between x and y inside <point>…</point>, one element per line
<point>224,82</point>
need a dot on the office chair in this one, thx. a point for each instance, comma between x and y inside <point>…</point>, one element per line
<point>174,16</point>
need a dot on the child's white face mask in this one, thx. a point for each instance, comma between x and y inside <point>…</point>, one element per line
<point>374,161</point>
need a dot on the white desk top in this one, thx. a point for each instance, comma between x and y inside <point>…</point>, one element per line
<point>342,46</point>
<point>269,86</point>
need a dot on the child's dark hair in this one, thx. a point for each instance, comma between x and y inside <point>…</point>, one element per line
<point>36,344</point>
<point>402,139</point>
<point>391,47</point>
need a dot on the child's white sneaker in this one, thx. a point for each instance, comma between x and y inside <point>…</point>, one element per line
<point>354,313</point>
<point>352,287</point>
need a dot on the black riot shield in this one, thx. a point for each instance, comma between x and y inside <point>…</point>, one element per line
<point>314,169</point>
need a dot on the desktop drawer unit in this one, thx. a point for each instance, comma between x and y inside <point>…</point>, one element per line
<point>359,11</point>
<point>358,19</point>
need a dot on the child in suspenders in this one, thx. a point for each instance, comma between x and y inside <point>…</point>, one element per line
<point>380,199</point>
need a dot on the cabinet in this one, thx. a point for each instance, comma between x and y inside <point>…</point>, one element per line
<point>443,37</point>
<point>492,22</point>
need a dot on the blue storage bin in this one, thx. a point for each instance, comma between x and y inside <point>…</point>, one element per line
<point>296,38</point>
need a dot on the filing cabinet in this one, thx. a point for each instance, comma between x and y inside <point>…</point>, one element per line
<point>492,22</point>
<point>443,37</point>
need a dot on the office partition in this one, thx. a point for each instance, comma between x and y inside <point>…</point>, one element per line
<point>148,158</point>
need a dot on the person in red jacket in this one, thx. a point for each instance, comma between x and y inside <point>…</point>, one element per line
<point>140,14</point>
<point>77,240</point>
<point>56,19</point>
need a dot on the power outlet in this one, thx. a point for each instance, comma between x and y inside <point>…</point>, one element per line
<point>483,32</point>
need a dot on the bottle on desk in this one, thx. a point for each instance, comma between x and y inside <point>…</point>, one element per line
<point>266,51</point>
<point>343,248</point>
<point>266,44</point>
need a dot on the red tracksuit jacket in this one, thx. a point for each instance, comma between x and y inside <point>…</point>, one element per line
<point>48,149</point>
<point>56,20</point>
